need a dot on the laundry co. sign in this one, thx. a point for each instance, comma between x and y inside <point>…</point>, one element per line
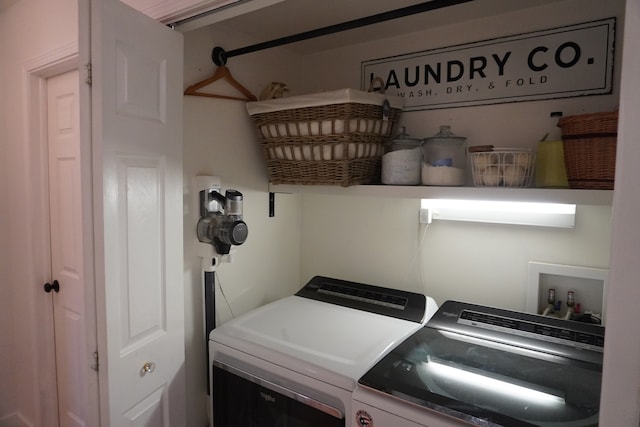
<point>557,63</point>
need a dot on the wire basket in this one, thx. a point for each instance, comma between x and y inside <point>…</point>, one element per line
<point>590,142</point>
<point>502,168</point>
<point>330,138</point>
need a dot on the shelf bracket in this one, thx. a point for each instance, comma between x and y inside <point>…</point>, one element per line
<point>272,204</point>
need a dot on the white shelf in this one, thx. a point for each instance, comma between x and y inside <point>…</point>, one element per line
<point>579,197</point>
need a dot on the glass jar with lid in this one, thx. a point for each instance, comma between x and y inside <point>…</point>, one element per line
<point>402,160</point>
<point>444,159</point>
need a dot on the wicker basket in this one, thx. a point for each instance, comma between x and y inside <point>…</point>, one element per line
<point>589,143</point>
<point>502,168</point>
<point>330,138</point>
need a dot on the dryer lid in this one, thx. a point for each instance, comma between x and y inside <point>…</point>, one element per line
<point>327,340</point>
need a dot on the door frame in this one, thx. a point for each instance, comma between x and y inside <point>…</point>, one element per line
<point>36,72</point>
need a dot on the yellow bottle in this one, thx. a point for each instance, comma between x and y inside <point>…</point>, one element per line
<point>550,168</point>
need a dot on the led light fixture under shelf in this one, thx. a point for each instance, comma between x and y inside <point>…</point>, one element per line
<point>499,212</point>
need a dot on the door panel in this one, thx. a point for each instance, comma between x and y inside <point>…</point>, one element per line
<point>137,137</point>
<point>142,300</point>
<point>149,412</point>
<point>143,77</point>
<point>67,257</point>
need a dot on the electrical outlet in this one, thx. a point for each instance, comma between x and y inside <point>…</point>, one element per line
<point>425,216</point>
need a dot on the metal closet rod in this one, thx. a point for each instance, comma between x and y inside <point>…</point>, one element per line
<point>219,56</point>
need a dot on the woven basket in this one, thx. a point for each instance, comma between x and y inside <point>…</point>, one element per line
<point>502,167</point>
<point>335,144</point>
<point>589,142</point>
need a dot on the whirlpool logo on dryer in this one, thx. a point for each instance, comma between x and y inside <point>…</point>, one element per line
<point>557,63</point>
<point>267,397</point>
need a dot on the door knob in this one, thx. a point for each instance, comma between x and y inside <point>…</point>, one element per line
<point>55,286</point>
<point>147,368</point>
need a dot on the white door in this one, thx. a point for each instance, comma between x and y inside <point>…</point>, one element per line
<point>137,142</point>
<point>73,361</point>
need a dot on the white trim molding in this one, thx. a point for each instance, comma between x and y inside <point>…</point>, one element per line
<point>35,72</point>
<point>14,420</point>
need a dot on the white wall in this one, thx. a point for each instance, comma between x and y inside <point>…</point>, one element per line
<point>7,397</point>
<point>369,239</point>
<point>219,139</point>
<point>375,240</point>
<point>503,125</point>
<point>621,373</point>
<point>30,29</point>
<point>372,240</point>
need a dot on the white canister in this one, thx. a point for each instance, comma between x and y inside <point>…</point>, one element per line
<point>402,160</point>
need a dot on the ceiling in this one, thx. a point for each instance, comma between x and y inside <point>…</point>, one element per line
<point>291,17</point>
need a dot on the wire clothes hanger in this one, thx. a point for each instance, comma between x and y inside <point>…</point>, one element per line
<point>222,73</point>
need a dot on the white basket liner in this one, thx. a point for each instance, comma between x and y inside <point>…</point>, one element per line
<point>341,96</point>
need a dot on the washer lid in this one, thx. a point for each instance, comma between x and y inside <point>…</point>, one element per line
<point>329,342</point>
<point>474,363</point>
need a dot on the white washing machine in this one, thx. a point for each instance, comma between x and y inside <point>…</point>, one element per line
<point>481,366</point>
<point>295,362</point>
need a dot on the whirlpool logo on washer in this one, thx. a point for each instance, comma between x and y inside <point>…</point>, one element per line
<point>363,419</point>
<point>267,397</point>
